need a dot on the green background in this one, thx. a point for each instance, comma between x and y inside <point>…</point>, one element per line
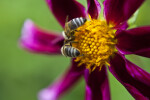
<point>23,74</point>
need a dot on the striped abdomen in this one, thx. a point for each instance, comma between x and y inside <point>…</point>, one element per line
<point>72,25</point>
<point>70,51</point>
<point>76,22</point>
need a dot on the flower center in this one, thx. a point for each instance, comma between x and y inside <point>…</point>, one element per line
<point>96,42</point>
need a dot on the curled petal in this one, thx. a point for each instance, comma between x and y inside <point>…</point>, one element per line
<point>63,8</point>
<point>134,41</point>
<point>94,8</point>
<point>97,85</point>
<point>118,11</point>
<point>61,85</point>
<point>40,41</point>
<point>134,79</point>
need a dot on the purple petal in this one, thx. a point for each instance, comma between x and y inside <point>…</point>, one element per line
<point>134,79</point>
<point>61,85</point>
<point>94,8</point>
<point>122,26</point>
<point>40,41</point>
<point>134,41</point>
<point>97,85</point>
<point>118,11</point>
<point>63,8</point>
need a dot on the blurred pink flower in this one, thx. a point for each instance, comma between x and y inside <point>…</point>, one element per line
<point>133,41</point>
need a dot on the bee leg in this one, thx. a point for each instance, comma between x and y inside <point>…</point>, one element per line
<point>74,42</point>
<point>70,44</point>
<point>76,31</point>
<point>82,55</point>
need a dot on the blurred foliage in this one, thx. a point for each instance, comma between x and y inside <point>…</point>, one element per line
<point>23,74</point>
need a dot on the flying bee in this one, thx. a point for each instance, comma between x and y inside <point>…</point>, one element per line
<point>71,26</point>
<point>69,51</point>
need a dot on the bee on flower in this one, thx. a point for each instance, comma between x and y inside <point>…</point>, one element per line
<point>94,44</point>
<point>68,33</point>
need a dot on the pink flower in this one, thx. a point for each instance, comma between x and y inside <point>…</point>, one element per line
<point>132,41</point>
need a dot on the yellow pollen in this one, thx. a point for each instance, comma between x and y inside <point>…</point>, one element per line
<point>96,42</point>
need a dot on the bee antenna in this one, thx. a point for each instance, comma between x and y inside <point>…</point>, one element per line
<point>67,18</point>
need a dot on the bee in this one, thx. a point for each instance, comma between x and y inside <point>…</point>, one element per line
<point>68,33</point>
<point>69,51</point>
<point>71,26</point>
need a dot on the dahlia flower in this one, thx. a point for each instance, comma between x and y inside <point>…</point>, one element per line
<point>104,42</point>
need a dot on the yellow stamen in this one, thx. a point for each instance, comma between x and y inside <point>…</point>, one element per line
<point>96,42</point>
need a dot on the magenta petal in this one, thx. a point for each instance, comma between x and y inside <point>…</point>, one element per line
<point>118,11</point>
<point>61,85</point>
<point>122,26</point>
<point>134,41</point>
<point>63,8</point>
<point>94,8</point>
<point>40,41</point>
<point>97,85</point>
<point>134,79</point>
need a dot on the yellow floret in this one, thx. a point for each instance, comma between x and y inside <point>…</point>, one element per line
<point>96,42</point>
